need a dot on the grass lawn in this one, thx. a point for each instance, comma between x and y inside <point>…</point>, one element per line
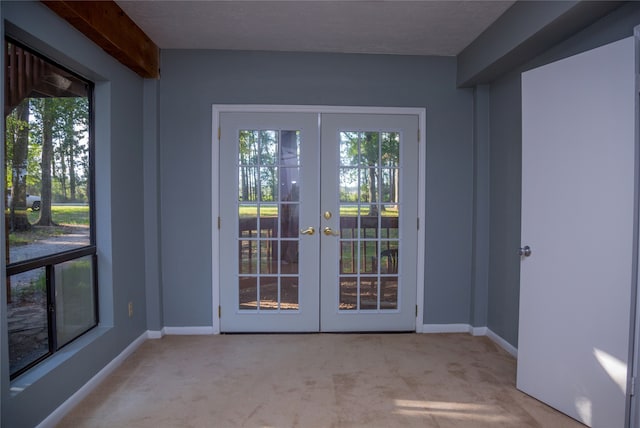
<point>64,216</point>
<point>345,211</point>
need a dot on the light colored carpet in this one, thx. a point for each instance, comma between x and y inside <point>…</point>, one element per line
<point>315,380</point>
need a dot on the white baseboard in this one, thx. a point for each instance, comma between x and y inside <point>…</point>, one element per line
<point>478,331</point>
<point>446,328</point>
<point>188,330</point>
<point>56,416</point>
<point>474,331</point>
<point>503,343</point>
<point>155,334</point>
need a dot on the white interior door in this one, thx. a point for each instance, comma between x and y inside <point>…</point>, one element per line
<point>578,194</point>
<point>318,233</point>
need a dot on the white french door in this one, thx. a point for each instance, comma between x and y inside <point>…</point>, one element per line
<point>318,217</point>
<point>369,188</point>
<point>578,189</point>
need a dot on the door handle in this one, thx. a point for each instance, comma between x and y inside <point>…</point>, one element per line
<point>525,251</point>
<point>308,231</point>
<point>330,232</point>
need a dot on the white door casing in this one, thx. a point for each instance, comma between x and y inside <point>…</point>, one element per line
<point>279,117</point>
<point>578,166</point>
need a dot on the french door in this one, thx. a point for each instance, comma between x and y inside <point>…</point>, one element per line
<point>318,217</point>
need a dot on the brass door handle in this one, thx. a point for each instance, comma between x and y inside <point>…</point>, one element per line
<point>308,231</point>
<point>330,232</point>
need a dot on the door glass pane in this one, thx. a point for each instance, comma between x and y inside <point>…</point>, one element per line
<point>390,155</point>
<point>268,183</point>
<point>268,147</point>
<point>27,318</point>
<point>75,311</point>
<point>248,290</point>
<point>369,292</point>
<point>248,256</point>
<point>268,216</point>
<point>348,293</point>
<point>389,292</point>
<point>288,257</point>
<point>369,205</point>
<point>269,293</point>
<point>288,293</point>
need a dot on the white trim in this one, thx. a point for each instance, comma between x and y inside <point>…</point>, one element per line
<point>422,235</point>
<point>185,331</point>
<point>319,109</point>
<point>446,328</point>
<point>215,213</point>
<point>57,415</point>
<point>478,331</point>
<point>503,343</point>
<point>155,334</point>
<point>474,331</point>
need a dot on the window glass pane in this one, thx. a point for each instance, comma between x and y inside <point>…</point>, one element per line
<point>75,310</point>
<point>47,171</point>
<point>27,318</point>
<point>48,205</point>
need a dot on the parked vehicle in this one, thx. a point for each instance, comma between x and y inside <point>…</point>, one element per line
<point>33,201</point>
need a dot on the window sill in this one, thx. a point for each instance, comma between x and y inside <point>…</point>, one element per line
<point>41,370</point>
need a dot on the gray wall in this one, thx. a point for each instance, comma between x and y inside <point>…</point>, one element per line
<point>505,161</point>
<point>194,80</point>
<point>120,212</point>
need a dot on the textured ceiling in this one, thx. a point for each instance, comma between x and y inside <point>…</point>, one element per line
<point>357,26</point>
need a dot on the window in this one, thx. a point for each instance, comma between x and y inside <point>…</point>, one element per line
<point>49,210</point>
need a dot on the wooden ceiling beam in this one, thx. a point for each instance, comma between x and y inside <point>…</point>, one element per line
<point>106,24</point>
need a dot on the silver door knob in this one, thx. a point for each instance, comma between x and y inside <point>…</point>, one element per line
<point>525,251</point>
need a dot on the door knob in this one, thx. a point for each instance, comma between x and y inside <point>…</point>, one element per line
<point>308,231</point>
<point>330,232</point>
<point>525,251</point>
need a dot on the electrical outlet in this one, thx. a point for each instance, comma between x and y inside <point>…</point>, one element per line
<point>130,309</point>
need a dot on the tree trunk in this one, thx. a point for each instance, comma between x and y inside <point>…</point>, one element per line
<point>72,172</point>
<point>47,154</point>
<point>373,192</point>
<point>18,220</point>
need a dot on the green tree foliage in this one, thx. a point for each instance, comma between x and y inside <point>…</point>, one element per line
<point>47,144</point>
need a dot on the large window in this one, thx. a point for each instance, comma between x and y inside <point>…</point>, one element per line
<point>50,245</point>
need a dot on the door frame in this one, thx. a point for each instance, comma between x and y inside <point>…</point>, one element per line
<point>217,109</point>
